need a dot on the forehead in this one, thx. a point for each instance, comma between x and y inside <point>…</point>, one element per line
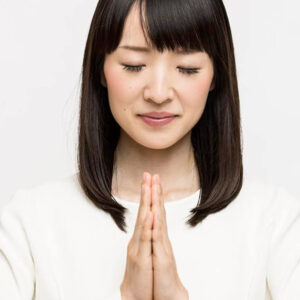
<point>132,31</point>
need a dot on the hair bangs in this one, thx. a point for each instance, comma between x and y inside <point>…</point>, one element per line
<point>176,25</point>
<point>167,25</point>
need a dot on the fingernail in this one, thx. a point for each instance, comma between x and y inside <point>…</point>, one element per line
<point>144,177</point>
<point>147,178</point>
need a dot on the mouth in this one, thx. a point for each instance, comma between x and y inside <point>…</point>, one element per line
<point>157,121</point>
<point>158,114</point>
<point>156,118</point>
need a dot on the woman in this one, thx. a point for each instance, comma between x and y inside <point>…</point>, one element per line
<point>159,139</point>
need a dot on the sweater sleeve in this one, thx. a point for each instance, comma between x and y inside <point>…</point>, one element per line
<point>17,274</point>
<point>283,272</point>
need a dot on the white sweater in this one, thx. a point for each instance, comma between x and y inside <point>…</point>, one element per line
<point>55,244</point>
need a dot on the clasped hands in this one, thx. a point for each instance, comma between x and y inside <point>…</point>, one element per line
<point>151,272</point>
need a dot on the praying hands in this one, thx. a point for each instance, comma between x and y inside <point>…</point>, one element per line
<point>151,272</point>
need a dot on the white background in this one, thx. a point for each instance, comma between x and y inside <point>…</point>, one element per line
<point>41,52</point>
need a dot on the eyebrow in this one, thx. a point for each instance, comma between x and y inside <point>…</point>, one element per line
<point>147,50</point>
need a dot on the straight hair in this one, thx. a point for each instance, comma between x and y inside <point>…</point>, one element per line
<point>200,25</point>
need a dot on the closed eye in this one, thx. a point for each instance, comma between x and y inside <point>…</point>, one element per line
<point>187,71</point>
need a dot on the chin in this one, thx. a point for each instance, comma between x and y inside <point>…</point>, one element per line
<point>157,143</point>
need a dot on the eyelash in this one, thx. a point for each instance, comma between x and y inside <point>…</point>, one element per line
<point>182,70</point>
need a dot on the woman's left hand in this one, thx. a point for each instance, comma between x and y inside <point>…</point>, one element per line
<point>166,282</point>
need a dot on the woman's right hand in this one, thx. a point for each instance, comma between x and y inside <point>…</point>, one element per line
<point>138,279</point>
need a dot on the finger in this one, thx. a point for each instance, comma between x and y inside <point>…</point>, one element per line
<point>154,199</point>
<point>156,206</point>
<point>144,231</point>
<point>144,207</point>
<point>159,211</point>
<point>162,205</point>
<point>160,240</point>
<point>145,245</point>
<point>158,244</point>
<point>161,245</point>
<point>157,196</point>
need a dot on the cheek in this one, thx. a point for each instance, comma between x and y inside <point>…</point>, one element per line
<point>120,94</point>
<point>195,94</point>
<point>117,85</point>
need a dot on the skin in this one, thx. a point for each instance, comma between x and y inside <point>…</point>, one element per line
<point>151,271</point>
<point>159,85</point>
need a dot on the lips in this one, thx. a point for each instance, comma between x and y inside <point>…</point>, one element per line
<point>158,115</point>
<point>158,118</point>
<point>157,121</point>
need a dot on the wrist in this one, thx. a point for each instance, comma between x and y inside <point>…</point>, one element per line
<point>124,293</point>
<point>182,293</point>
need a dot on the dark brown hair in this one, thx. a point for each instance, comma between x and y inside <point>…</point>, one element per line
<point>216,138</point>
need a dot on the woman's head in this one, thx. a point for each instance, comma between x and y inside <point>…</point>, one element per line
<point>139,82</point>
<point>179,35</point>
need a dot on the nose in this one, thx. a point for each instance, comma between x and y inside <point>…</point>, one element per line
<point>159,87</point>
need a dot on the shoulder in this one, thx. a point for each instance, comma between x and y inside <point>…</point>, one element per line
<point>52,193</point>
<point>272,194</point>
<point>268,200</point>
<point>61,187</point>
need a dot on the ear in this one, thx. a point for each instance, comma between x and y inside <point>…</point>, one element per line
<point>103,80</point>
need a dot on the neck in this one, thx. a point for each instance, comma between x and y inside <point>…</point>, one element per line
<point>175,166</point>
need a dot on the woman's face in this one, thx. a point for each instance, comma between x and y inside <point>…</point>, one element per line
<point>159,84</point>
